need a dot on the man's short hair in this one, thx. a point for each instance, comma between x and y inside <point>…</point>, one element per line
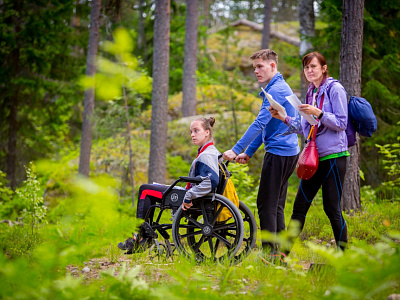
<point>265,54</point>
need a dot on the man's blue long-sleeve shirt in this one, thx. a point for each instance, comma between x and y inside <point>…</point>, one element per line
<point>268,130</point>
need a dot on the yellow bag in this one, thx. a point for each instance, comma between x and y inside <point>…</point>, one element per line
<point>230,193</point>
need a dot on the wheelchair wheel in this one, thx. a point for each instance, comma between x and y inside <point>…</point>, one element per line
<point>250,233</point>
<point>158,254</point>
<point>198,234</point>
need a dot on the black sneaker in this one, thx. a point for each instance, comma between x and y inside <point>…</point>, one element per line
<point>127,245</point>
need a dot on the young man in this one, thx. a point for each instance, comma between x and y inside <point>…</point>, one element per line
<point>281,150</point>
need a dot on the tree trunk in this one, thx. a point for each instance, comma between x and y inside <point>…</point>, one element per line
<point>128,129</point>
<point>189,101</point>
<point>159,96</point>
<point>206,12</point>
<point>250,13</point>
<point>350,77</point>
<point>12,139</point>
<point>142,32</point>
<point>86,139</point>
<point>11,156</point>
<point>267,24</point>
<point>307,30</point>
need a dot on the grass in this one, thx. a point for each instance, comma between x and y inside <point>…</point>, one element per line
<point>84,230</point>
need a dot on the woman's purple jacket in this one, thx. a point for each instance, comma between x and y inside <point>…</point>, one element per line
<point>331,136</point>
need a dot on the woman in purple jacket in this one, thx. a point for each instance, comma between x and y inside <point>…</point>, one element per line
<point>331,141</point>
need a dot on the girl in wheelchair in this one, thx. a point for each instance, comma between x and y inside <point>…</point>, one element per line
<point>204,166</point>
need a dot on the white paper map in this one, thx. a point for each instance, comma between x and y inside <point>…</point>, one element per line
<point>275,105</point>
<point>295,102</point>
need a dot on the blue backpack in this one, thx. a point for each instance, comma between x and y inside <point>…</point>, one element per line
<point>361,118</point>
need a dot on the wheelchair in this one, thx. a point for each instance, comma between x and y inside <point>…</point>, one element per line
<point>213,229</point>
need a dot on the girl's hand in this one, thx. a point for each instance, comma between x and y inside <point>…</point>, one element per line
<point>310,110</point>
<point>186,206</point>
<point>275,114</point>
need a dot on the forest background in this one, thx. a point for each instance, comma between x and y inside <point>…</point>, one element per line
<point>44,46</point>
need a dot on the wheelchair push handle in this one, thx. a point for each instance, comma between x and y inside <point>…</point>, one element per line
<point>225,163</point>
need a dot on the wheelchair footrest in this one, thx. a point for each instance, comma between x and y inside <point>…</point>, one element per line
<point>148,230</point>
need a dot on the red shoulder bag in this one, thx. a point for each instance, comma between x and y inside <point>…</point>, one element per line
<point>308,161</point>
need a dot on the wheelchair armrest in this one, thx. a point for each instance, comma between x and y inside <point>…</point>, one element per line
<point>190,179</point>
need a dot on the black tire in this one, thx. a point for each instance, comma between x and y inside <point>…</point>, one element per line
<point>198,235</point>
<point>250,233</point>
<point>158,255</point>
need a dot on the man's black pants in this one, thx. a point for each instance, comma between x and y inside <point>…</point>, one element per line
<point>271,197</point>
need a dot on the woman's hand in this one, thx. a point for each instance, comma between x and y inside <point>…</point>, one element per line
<point>186,206</point>
<point>275,114</point>
<point>310,109</point>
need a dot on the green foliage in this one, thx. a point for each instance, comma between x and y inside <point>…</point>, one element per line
<point>177,167</point>
<point>380,71</point>
<point>27,205</point>
<point>88,221</point>
<point>41,59</point>
<point>391,163</point>
<point>245,184</point>
<point>377,218</point>
<point>5,192</point>
<point>112,76</point>
<point>127,284</point>
<point>87,218</point>
<point>18,241</point>
<point>365,271</point>
<point>34,211</point>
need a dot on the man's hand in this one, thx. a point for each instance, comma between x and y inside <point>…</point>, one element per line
<point>229,155</point>
<point>242,158</point>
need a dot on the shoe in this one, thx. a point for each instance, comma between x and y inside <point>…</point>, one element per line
<point>275,259</point>
<point>283,259</point>
<point>127,245</point>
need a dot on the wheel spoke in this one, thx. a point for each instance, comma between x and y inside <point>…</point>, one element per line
<point>217,244</point>
<point>210,243</point>
<point>188,226</point>
<point>197,246</point>
<point>218,212</point>
<point>189,218</point>
<point>183,236</point>
<point>230,226</point>
<point>203,210</point>
<point>224,240</point>
<point>230,234</point>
